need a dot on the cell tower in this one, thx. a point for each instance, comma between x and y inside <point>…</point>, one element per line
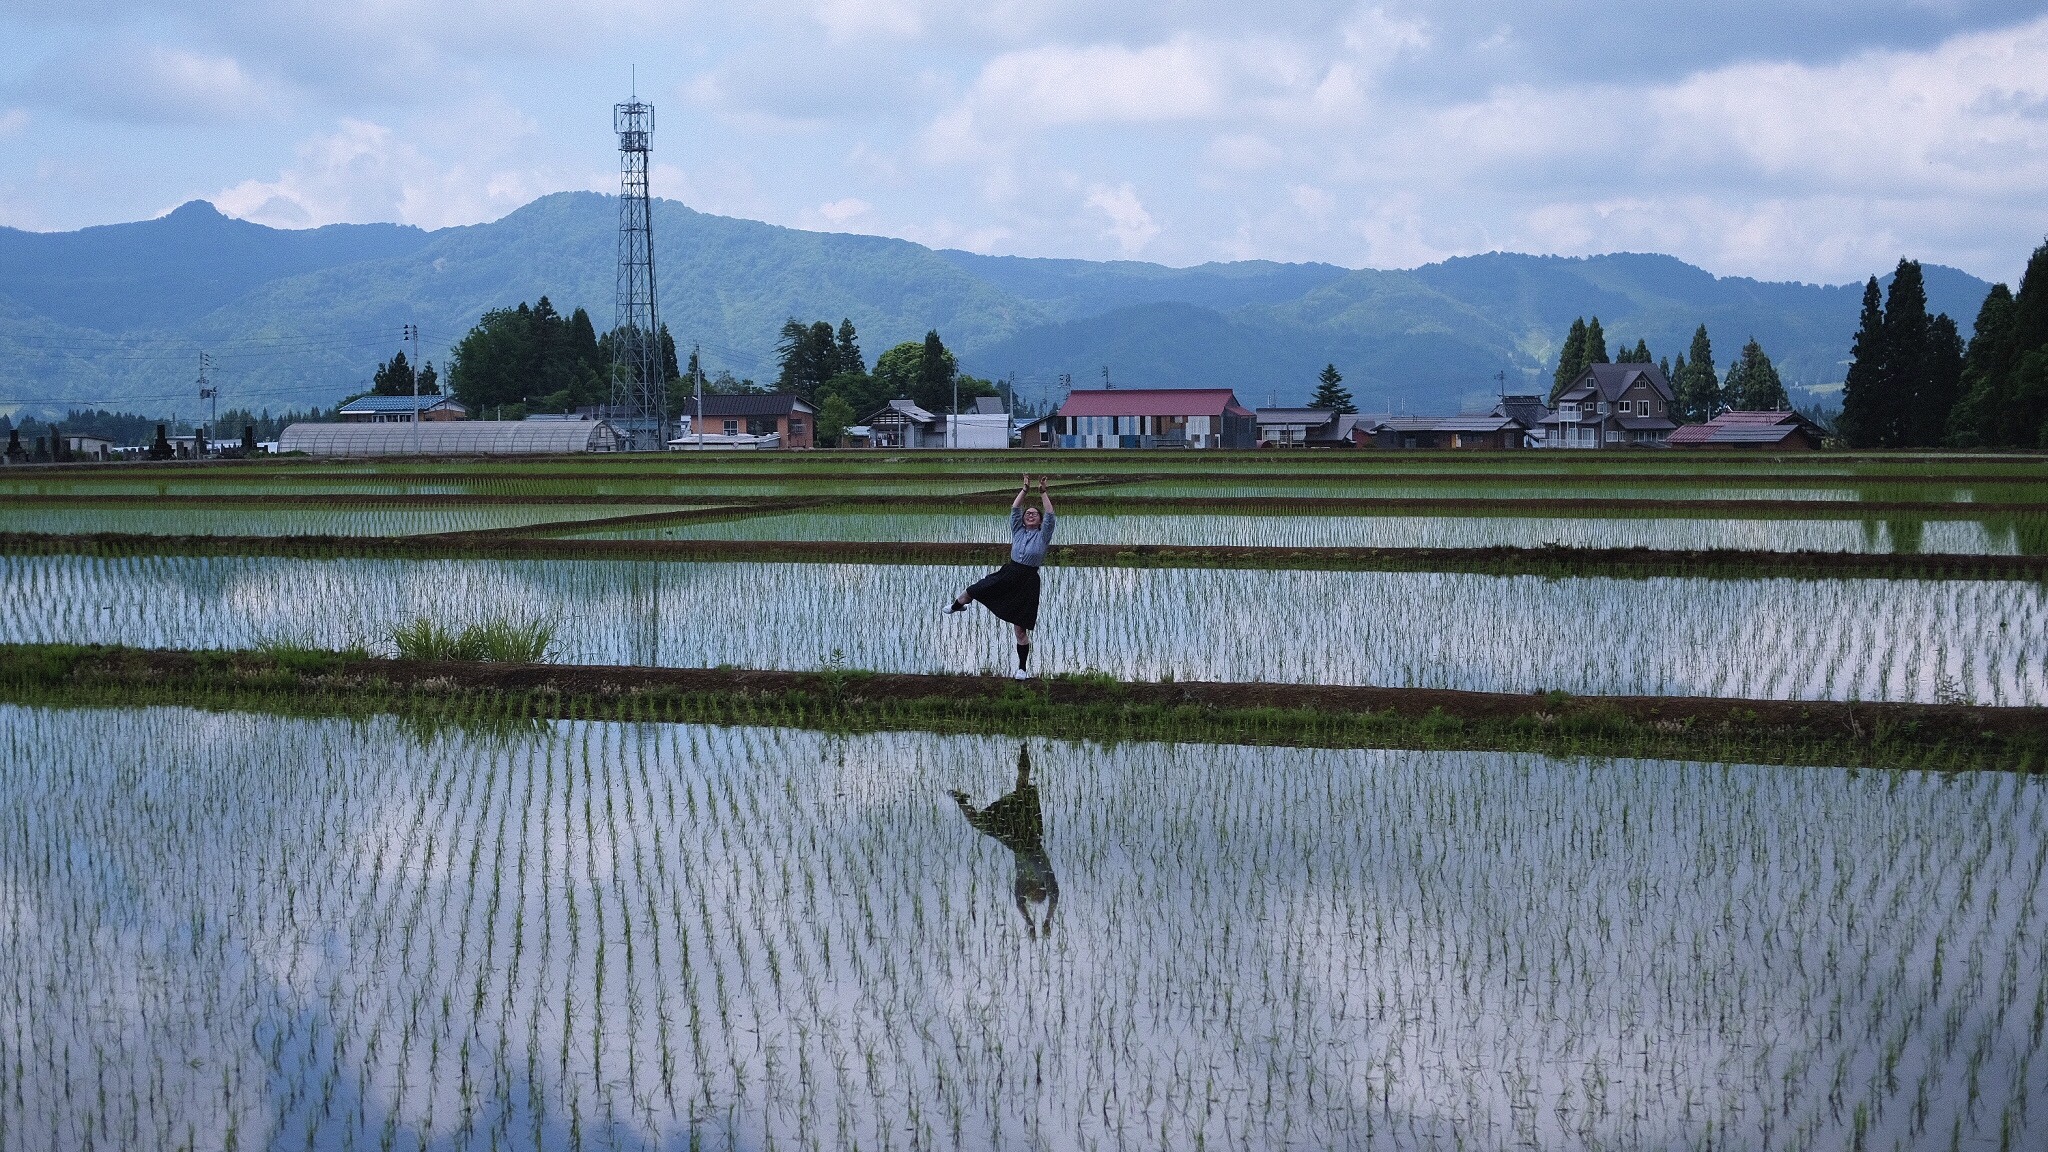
<point>639,407</point>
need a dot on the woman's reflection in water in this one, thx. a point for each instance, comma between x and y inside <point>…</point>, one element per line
<point>1016,822</point>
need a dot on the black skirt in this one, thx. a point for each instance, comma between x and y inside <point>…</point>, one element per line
<point>1011,592</point>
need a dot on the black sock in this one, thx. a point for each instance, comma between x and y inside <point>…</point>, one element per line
<point>1023,657</point>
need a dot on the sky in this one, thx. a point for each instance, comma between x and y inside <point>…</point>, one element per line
<point>1783,139</point>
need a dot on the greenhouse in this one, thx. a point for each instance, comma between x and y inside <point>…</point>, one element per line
<point>451,438</point>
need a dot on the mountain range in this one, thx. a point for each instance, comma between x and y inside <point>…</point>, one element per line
<point>117,316</point>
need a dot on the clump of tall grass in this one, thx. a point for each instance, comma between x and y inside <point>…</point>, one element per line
<point>301,652</point>
<point>497,639</point>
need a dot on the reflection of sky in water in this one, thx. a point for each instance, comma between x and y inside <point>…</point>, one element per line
<point>2002,537</point>
<point>328,934</point>
<point>1819,639</point>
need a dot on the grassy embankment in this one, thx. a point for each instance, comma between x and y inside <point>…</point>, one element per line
<point>1941,737</point>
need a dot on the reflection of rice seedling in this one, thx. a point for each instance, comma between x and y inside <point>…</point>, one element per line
<point>659,935</point>
<point>497,639</point>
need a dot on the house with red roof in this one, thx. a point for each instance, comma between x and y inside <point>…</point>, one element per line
<point>1156,418</point>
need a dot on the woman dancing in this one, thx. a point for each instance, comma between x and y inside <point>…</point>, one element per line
<point>1011,592</point>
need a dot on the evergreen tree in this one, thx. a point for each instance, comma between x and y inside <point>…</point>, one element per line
<point>1863,419</point>
<point>1943,384</point>
<point>2023,361</point>
<point>1664,365</point>
<point>1596,343</point>
<point>1973,422</point>
<point>935,373</point>
<point>1331,394</point>
<point>392,378</point>
<point>1699,392</point>
<point>808,355</point>
<point>850,362</point>
<point>1907,332</point>
<point>1571,360</point>
<point>669,370</point>
<point>1753,384</point>
<point>1640,354</point>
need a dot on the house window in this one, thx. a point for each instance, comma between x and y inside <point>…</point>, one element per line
<point>761,426</point>
<point>732,427</point>
<point>796,425</point>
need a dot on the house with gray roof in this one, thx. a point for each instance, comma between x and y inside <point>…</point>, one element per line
<point>1612,406</point>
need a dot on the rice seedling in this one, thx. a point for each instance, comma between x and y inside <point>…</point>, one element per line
<point>1784,639</point>
<point>1196,528</point>
<point>296,932</point>
<point>498,638</point>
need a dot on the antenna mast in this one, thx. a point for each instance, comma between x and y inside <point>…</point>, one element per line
<point>639,407</point>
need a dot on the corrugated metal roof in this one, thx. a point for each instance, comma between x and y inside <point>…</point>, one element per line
<point>399,404</point>
<point>1307,416</point>
<point>747,404</point>
<point>904,409</point>
<point>1153,402</point>
<point>1746,428</point>
<point>450,438</point>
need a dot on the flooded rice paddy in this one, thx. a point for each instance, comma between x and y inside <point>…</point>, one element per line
<point>1980,641</point>
<point>2004,536</point>
<point>252,931</point>
<point>314,520</point>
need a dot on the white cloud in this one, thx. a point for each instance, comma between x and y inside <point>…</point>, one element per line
<point>364,171</point>
<point>13,120</point>
<point>1129,223</point>
<point>850,18</point>
<point>839,212</point>
<point>156,84</point>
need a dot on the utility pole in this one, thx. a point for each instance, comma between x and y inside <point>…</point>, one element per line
<point>211,393</point>
<point>412,332</point>
<point>697,421</point>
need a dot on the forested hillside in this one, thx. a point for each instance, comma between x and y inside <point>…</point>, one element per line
<point>116,317</point>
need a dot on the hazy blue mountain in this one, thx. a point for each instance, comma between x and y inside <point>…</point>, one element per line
<point>1069,289</point>
<point>177,268</point>
<point>116,316</point>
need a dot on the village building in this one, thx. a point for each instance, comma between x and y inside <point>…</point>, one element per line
<point>1040,433</point>
<point>1612,406</point>
<point>1769,431</point>
<point>560,436</point>
<point>1156,418</point>
<point>399,409</point>
<point>1491,431</point>
<point>79,446</point>
<point>1313,428</point>
<point>902,424</point>
<point>748,420</point>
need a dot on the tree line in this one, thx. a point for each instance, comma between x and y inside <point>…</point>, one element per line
<point>1913,383</point>
<point>1699,392</point>
<point>523,360</point>
<point>826,368</point>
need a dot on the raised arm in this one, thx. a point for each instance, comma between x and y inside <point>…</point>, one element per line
<point>1044,499</point>
<point>1022,492</point>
